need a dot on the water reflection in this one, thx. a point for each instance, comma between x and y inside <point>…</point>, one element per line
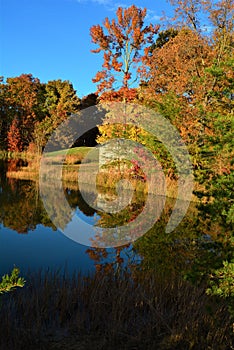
<point>29,239</point>
<point>42,245</point>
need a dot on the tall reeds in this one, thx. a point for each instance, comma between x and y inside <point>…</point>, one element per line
<point>112,311</point>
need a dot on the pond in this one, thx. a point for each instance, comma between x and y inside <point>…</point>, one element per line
<point>30,240</point>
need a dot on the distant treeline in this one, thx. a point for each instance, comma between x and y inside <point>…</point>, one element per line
<point>31,110</point>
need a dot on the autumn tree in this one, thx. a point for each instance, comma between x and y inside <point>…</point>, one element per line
<point>5,114</point>
<point>31,110</point>
<point>191,82</point>
<point>23,100</point>
<point>188,12</point>
<point>15,143</point>
<point>61,98</point>
<point>173,64</point>
<point>163,37</point>
<point>124,42</point>
<point>191,76</point>
<point>60,101</point>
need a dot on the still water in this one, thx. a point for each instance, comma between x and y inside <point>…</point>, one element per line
<point>30,240</point>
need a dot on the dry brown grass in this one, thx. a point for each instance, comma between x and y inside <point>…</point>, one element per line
<point>23,174</point>
<point>112,311</point>
<point>106,179</point>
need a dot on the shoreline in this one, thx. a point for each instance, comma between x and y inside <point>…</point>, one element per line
<point>105,181</point>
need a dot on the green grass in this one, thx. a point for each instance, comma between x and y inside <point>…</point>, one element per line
<point>72,151</point>
<point>80,152</point>
<point>73,155</point>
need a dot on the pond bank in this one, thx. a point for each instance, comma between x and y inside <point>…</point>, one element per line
<point>105,180</point>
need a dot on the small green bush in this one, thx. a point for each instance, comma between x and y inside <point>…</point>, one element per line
<point>222,285</point>
<point>10,282</point>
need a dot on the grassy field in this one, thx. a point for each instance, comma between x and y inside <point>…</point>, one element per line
<point>77,151</point>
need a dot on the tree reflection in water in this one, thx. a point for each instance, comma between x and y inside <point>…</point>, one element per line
<point>191,249</point>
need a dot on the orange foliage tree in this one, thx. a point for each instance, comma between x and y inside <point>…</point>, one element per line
<point>23,99</point>
<point>15,143</point>
<point>124,42</point>
<point>191,75</point>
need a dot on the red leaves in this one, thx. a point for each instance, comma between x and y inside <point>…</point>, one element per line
<point>99,76</point>
<point>99,38</point>
<point>23,97</point>
<point>14,139</point>
<point>173,65</point>
<point>116,65</point>
<point>119,14</point>
<point>123,41</point>
<point>126,94</point>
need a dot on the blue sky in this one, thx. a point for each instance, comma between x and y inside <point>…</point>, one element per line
<point>51,40</point>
